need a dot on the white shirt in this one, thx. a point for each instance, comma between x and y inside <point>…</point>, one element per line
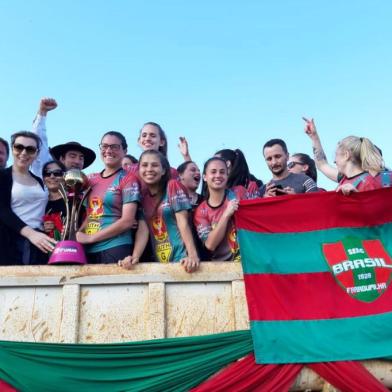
<point>28,203</point>
<point>39,128</point>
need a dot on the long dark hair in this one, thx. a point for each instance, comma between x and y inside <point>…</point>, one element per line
<point>307,160</point>
<point>58,163</point>
<point>204,189</point>
<point>165,165</point>
<point>180,169</point>
<point>239,170</point>
<point>131,158</point>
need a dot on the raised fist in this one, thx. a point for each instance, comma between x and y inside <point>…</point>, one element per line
<point>47,104</point>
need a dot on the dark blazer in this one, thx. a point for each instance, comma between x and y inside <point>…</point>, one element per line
<point>10,223</point>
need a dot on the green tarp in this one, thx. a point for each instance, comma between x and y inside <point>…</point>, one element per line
<point>174,364</point>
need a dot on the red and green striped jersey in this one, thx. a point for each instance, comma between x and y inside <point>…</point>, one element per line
<point>317,270</point>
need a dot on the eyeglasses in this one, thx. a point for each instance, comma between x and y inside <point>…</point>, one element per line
<point>56,173</point>
<point>291,164</point>
<point>113,147</point>
<point>31,150</point>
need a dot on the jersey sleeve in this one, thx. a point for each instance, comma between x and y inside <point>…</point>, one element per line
<point>384,179</point>
<point>140,213</point>
<point>309,185</point>
<point>174,174</point>
<point>177,196</point>
<point>202,222</point>
<point>39,128</point>
<point>253,190</point>
<point>93,178</point>
<point>134,168</point>
<point>238,192</point>
<point>130,188</point>
<point>369,183</point>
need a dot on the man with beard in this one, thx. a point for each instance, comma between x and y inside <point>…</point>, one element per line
<point>283,182</point>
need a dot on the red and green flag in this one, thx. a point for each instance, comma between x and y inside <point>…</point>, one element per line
<point>317,271</point>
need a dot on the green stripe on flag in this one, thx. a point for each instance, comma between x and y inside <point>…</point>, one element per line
<point>289,253</point>
<point>336,339</point>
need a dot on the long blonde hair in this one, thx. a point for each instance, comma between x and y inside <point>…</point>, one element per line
<point>363,153</point>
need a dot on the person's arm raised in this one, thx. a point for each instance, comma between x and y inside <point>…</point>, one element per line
<point>319,155</point>
<point>39,128</point>
<point>184,148</point>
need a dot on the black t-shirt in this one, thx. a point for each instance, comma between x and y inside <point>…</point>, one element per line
<point>56,206</point>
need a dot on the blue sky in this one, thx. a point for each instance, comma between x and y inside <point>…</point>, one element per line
<point>225,74</point>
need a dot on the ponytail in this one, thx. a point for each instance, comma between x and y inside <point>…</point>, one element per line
<point>371,159</point>
<point>363,153</point>
<point>239,170</point>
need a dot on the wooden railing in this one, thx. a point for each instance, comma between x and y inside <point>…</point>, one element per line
<point>106,304</point>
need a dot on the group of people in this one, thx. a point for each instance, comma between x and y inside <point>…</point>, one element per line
<point>143,209</point>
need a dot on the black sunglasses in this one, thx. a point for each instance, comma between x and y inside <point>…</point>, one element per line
<point>56,173</point>
<point>291,164</point>
<point>31,150</point>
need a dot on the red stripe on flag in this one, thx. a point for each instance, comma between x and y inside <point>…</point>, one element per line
<point>4,387</point>
<point>315,211</point>
<point>310,296</point>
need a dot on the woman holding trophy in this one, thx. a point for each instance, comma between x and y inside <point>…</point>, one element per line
<point>22,204</point>
<point>112,206</point>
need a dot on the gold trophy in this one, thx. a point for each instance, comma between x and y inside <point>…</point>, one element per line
<point>74,191</point>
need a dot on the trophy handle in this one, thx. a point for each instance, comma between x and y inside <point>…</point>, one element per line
<point>63,194</point>
<point>72,229</point>
<point>85,194</point>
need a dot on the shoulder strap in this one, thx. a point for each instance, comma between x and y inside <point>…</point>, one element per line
<point>39,180</point>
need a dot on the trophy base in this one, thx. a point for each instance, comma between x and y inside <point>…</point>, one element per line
<point>68,252</point>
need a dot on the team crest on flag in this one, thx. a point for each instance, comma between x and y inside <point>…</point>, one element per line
<point>361,267</point>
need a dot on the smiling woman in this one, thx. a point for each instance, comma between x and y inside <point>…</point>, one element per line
<point>357,160</point>
<point>166,207</point>
<point>112,207</point>
<point>190,177</point>
<point>214,216</point>
<point>302,163</point>
<point>55,210</point>
<point>22,206</point>
<point>153,137</point>
<point>239,171</point>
